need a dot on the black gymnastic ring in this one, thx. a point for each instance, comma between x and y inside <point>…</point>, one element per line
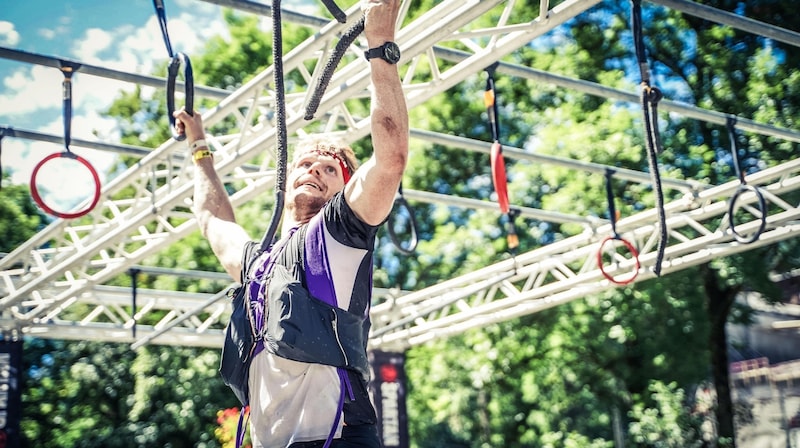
<point>40,202</point>
<point>762,207</point>
<point>188,80</point>
<point>633,252</point>
<point>393,236</point>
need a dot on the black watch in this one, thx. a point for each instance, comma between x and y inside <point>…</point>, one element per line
<point>389,52</point>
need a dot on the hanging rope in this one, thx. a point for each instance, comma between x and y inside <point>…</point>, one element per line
<point>335,11</point>
<point>730,123</point>
<point>280,168</point>
<point>650,96</point>
<point>615,236</point>
<point>347,39</point>
<point>499,179</point>
<point>407,249</point>
<point>176,60</point>
<point>322,83</point>
<point>68,69</point>
<point>281,132</point>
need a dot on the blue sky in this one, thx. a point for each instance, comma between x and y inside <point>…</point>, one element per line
<point>118,34</point>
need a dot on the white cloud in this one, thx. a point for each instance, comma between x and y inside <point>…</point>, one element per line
<point>187,32</point>
<point>30,89</point>
<point>8,35</point>
<point>47,34</point>
<point>21,156</point>
<point>93,42</point>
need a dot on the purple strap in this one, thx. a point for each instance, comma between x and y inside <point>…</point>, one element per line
<point>241,427</point>
<point>319,278</point>
<point>257,292</point>
<point>319,281</point>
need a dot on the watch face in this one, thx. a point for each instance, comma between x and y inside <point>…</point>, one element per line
<point>391,52</point>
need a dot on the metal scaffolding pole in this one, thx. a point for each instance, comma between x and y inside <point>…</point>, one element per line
<point>733,20</point>
<point>153,81</point>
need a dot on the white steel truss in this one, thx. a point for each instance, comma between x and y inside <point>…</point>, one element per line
<point>54,285</point>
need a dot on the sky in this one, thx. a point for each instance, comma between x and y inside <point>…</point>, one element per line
<point>117,34</point>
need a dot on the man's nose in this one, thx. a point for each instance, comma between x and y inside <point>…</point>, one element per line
<point>314,168</point>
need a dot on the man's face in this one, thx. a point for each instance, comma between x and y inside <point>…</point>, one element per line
<point>314,178</point>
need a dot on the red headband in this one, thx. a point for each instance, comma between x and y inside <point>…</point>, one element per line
<point>342,164</point>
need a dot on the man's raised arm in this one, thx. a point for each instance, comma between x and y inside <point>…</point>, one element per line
<point>372,190</point>
<point>212,207</point>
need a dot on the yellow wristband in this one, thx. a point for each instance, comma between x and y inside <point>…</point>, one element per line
<point>202,154</point>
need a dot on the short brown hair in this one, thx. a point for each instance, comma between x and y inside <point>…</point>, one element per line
<point>327,143</point>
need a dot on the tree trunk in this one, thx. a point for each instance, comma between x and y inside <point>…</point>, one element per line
<point>720,301</point>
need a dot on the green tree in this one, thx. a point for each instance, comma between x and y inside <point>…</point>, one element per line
<point>661,426</point>
<point>20,218</point>
<point>89,394</point>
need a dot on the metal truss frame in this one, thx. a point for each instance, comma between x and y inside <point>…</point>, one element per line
<point>54,285</point>
<point>699,231</point>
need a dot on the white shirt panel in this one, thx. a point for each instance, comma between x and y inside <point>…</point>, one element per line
<point>291,401</point>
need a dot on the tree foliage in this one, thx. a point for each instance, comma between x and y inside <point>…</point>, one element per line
<point>89,394</point>
<point>20,218</point>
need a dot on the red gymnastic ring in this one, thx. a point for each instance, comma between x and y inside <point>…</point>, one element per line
<point>633,252</point>
<point>38,199</point>
<point>499,176</point>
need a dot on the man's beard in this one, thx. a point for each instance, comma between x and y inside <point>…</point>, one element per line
<point>304,207</point>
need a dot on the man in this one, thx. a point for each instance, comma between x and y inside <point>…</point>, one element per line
<point>296,403</point>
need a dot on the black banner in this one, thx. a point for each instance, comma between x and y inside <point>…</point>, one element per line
<point>10,393</point>
<point>389,394</point>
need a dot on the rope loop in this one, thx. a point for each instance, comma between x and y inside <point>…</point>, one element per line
<point>615,236</point>
<point>68,69</point>
<point>37,197</point>
<point>649,98</point>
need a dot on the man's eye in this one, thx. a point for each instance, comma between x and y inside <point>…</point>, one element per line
<point>330,170</point>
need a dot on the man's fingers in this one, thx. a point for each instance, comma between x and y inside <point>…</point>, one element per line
<point>380,19</point>
<point>189,125</point>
